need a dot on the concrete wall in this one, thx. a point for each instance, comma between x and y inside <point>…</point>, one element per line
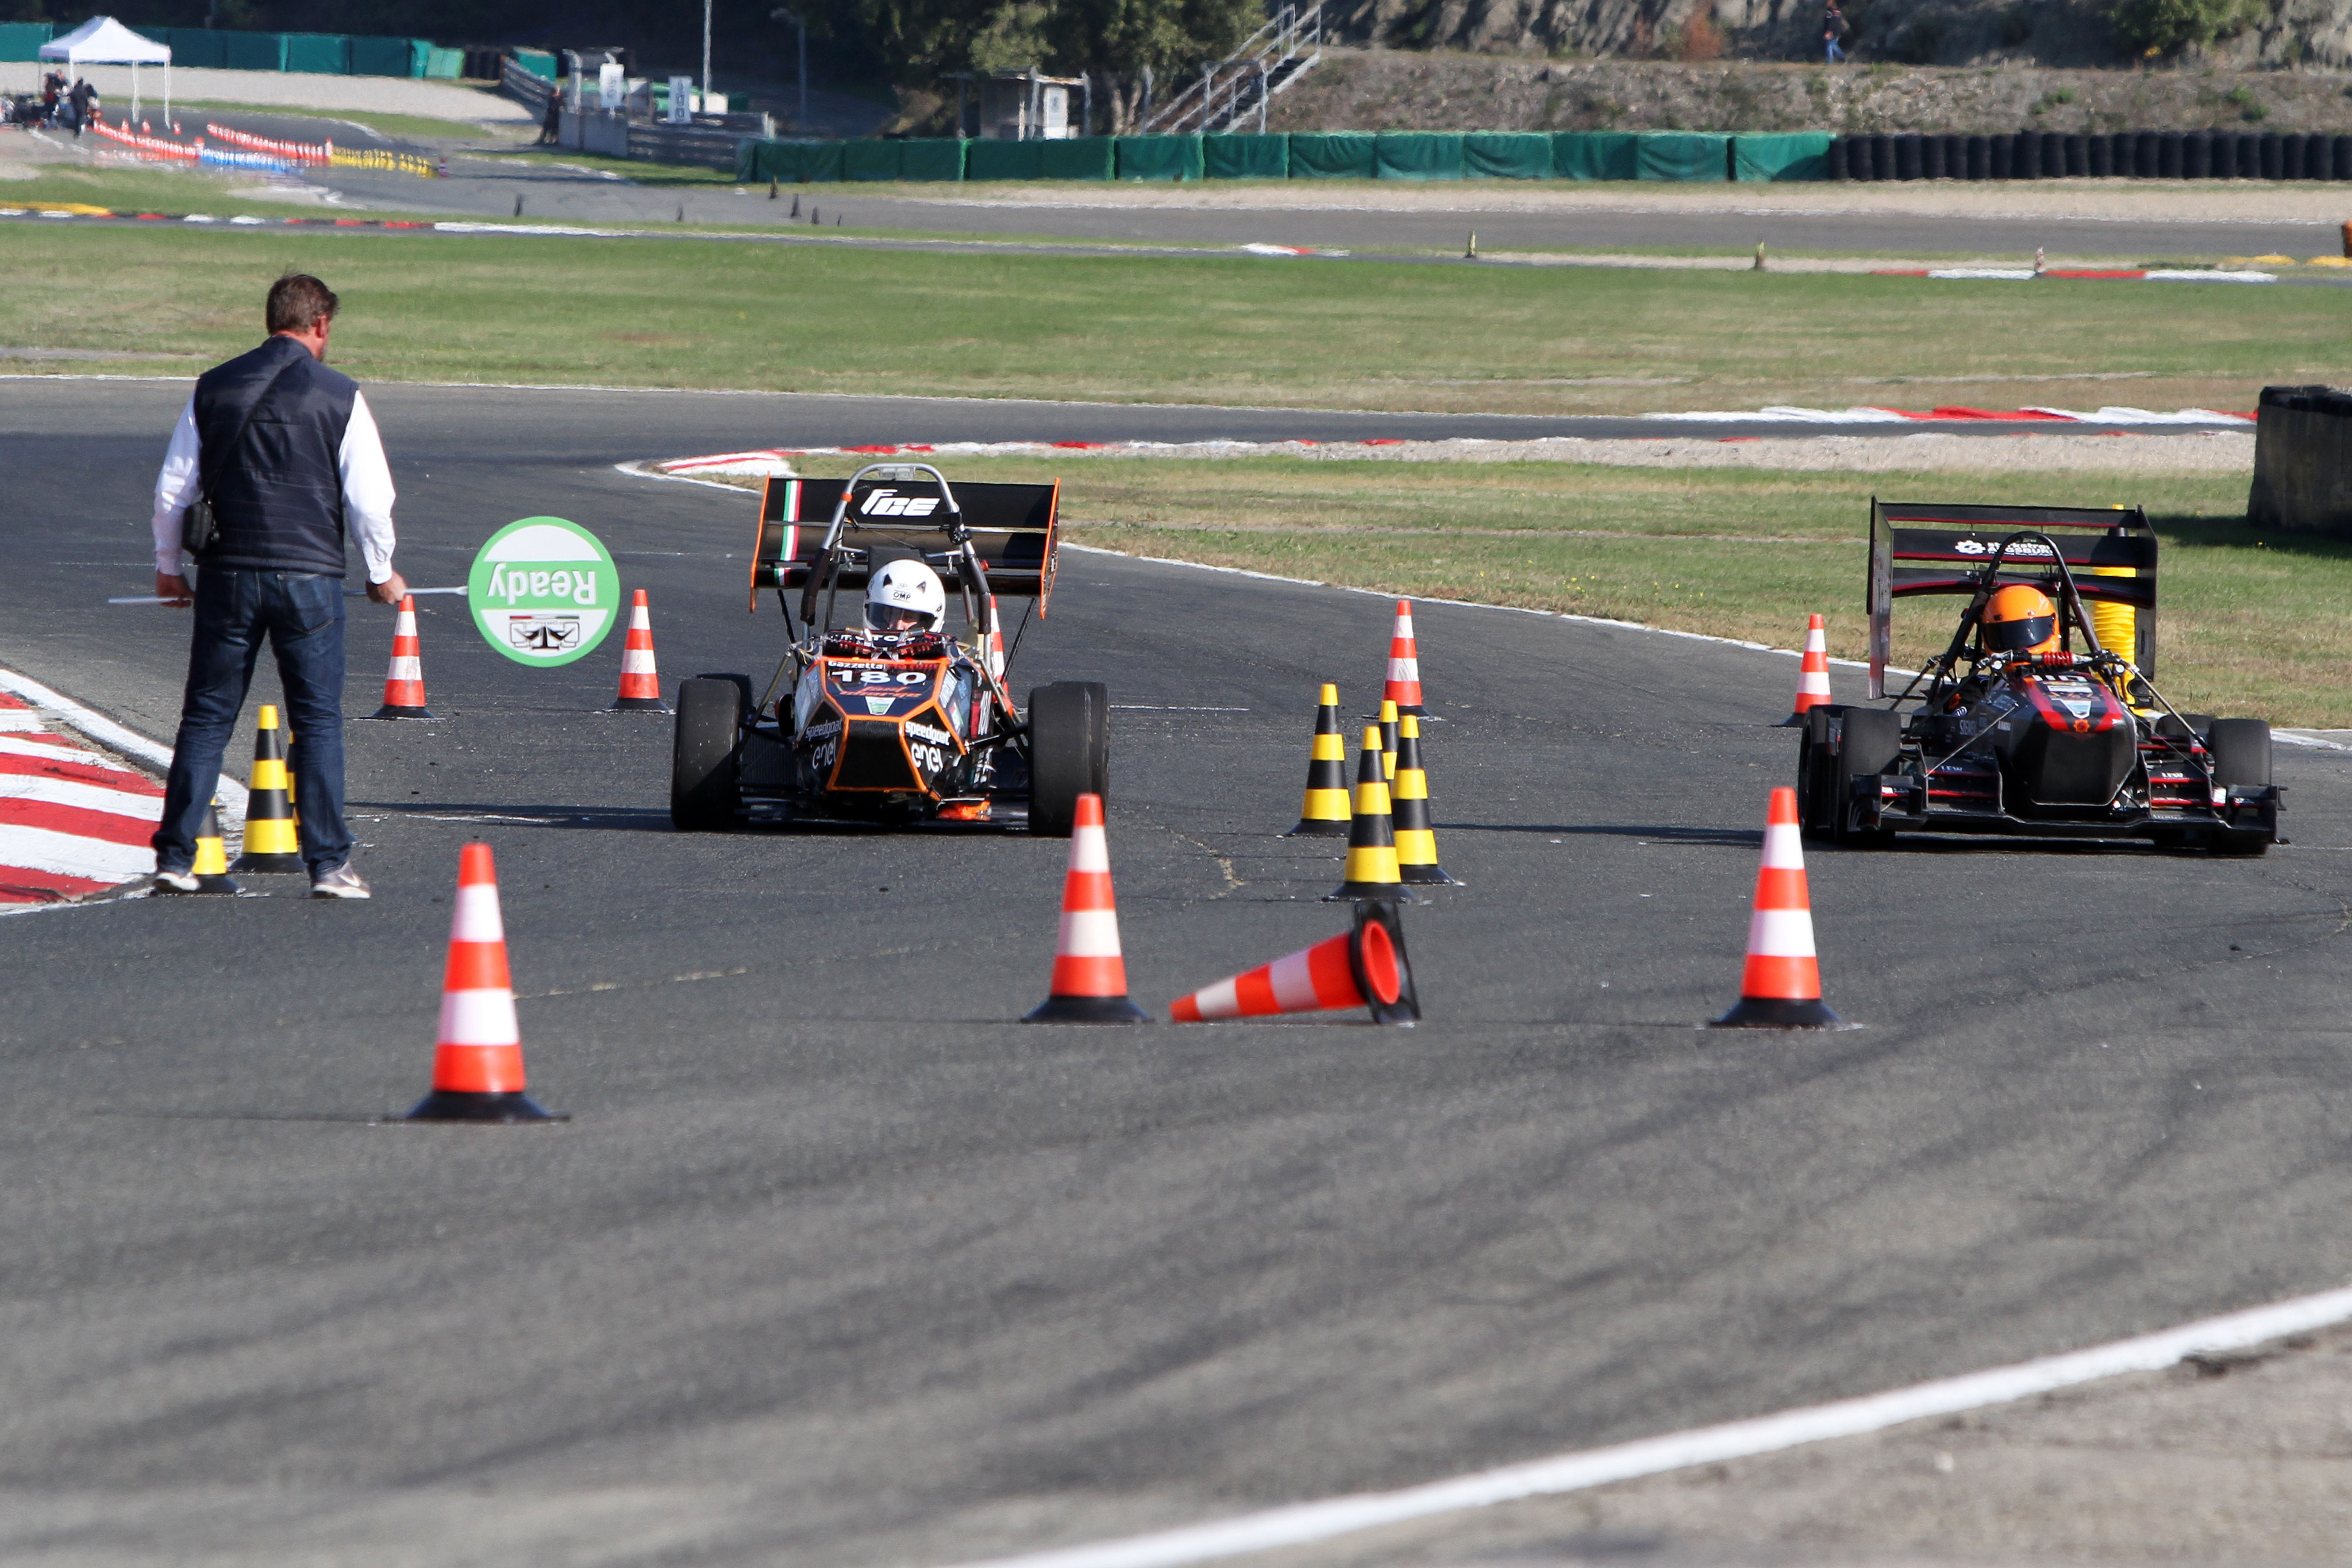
<point>2303,462</point>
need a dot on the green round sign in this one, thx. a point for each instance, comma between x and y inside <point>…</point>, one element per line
<point>544,591</point>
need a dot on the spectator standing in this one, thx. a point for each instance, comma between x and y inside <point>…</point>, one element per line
<point>82,98</point>
<point>1833,31</point>
<point>287,454</point>
<point>551,129</point>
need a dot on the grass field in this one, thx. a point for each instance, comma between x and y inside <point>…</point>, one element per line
<point>2254,626</point>
<point>1225,329</point>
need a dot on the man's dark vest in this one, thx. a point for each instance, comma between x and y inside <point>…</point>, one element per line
<point>279,494</point>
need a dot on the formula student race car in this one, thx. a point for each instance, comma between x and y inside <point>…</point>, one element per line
<point>902,729</point>
<point>2030,722</point>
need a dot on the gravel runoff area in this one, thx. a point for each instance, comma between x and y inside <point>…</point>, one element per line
<point>2237,1458</point>
<point>289,90</point>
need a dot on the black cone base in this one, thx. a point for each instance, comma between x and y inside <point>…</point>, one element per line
<point>1794,722</point>
<point>214,882</point>
<point>1391,892</point>
<point>389,712</point>
<point>638,705</point>
<point>1309,827</point>
<point>504,1109</point>
<point>1428,877</point>
<point>255,864</point>
<point>1777,1013</point>
<point>1087,1010</point>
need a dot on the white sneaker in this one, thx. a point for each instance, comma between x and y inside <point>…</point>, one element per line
<point>342,882</point>
<point>174,882</point>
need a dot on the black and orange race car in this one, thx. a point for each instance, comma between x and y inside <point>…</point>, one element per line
<point>898,730</point>
<point>2041,716</point>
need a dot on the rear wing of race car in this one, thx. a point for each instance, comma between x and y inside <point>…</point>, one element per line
<point>1934,548</point>
<point>1012,529</point>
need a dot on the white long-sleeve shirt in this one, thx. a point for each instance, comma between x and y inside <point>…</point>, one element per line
<point>367,489</point>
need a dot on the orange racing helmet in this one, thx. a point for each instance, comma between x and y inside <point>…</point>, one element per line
<point>2020,619</point>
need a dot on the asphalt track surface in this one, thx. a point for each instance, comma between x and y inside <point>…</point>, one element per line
<point>479,189</point>
<point>839,1265</point>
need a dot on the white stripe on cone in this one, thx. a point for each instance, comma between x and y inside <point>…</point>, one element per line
<point>1222,1000</point>
<point>1780,934</point>
<point>479,1019</point>
<point>1784,847</point>
<point>1089,850</point>
<point>1294,984</point>
<point>475,916</point>
<point>1089,934</point>
<point>637,661</point>
<point>405,667</point>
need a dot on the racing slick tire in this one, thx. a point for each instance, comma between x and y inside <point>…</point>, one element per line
<point>1873,741</point>
<point>1816,770</point>
<point>1069,753</point>
<point>2241,756</point>
<point>703,751</point>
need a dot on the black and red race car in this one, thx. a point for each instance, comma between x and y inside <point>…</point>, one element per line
<point>2072,741</point>
<point>898,730</point>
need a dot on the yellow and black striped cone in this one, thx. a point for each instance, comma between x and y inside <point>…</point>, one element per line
<point>269,841</point>
<point>1326,812</point>
<point>1372,837</point>
<point>1388,738</point>
<point>1416,835</point>
<point>211,857</point>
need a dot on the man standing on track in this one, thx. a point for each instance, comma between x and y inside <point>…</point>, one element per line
<point>285,453</point>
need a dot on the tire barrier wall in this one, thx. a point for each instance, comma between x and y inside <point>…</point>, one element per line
<point>2067,155</point>
<point>2303,462</point>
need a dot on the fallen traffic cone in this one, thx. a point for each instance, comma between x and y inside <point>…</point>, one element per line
<point>1813,674</point>
<point>477,1061</point>
<point>1403,687</point>
<point>640,684</point>
<point>403,683</point>
<point>1371,870</point>
<point>1781,986</point>
<point>1416,835</point>
<point>1387,740</point>
<point>1325,812</point>
<point>1363,967</point>
<point>1089,982</point>
<point>270,844</point>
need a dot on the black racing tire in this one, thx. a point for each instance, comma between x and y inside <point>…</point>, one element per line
<point>1816,780</point>
<point>1069,753</point>
<point>742,683</point>
<point>703,759</point>
<point>2241,751</point>
<point>1873,741</point>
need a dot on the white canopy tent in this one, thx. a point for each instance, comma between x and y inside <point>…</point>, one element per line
<point>104,41</point>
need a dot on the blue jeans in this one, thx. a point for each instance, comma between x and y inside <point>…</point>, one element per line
<point>1835,53</point>
<point>302,615</point>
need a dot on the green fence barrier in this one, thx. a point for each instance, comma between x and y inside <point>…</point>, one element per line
<point>793,162</point>
<point>1334,155</point>
<point>253,51</point>
<point>1683,155</point>
<point>388,56</point>
<point>1507,155</point>
<point>1796,155</point>
<point>1246,157</point>
<point>196,46</point>
<point>1160,158</point>
<point>540,63</point>
<point>318,54</point>
<point>1080,158</point>
<point>22,41</point>
<point>1417,155</point>
<point>991,159</point>
<point>1595,155</point>
<point>873,161</point>
<point>931,158</point>
<point>444,65</point>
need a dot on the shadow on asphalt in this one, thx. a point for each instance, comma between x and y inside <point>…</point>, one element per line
<point>1647,835</point>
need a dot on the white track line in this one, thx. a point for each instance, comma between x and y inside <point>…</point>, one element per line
<point>1302,1523</point>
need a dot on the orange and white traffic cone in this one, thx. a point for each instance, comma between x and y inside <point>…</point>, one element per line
<point>478,1062</point>
<point>1362,967</point>
<point>1403,687</point>
<point>403,683</point>
<point>1089,982</point>
<point>1813,674</point>
<point>1781,986</point>
<point>640,683</point>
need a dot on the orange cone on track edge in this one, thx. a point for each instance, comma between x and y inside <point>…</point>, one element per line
<point>1372,867</point>
<point>1089,973</point>
<point>1324,813</point>
<point>1403,687</point>
<point>403,683</point>
<point>1812,673</point>
<point>1362,967</point>
<point>477,1061</point>
<point>1781,986</point>
<point>640,683</point>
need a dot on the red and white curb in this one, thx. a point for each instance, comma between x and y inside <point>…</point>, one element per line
<point>75,820</point>
<point>2093,274</point>
<point>1786,415</point>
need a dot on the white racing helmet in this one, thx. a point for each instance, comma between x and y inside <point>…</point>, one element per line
<point>906,596</point>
